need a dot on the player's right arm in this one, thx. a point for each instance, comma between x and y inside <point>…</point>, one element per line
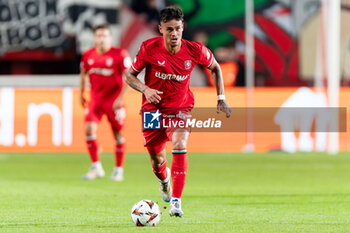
<point>84,66</point>
<point>140,62</point>
<point>82,88</point>
<point>152,95</point>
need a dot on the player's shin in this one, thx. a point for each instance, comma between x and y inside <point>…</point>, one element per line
<point>118,171</point>
<point>160,171</point>
<point>120,153</point>
<point>92,146</point>
<point>96,170</point>
<point>158,161</point>
<point>159,165</point>
<point>178,171</point>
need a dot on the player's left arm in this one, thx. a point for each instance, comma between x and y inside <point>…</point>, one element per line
<point>124,66</point>
<point>119,101</point>
<point>222,105</point>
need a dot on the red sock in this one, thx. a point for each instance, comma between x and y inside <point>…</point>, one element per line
<point>93,150</point>
<point>179,171</point>
<point>119,155</point>
<point>160,171</point>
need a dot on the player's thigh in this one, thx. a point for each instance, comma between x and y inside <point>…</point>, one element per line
<point>155,141</point>
<point>179,138</point>
<point>93,115</point>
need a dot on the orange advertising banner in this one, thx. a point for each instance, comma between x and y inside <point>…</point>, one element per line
<point>52,120</point>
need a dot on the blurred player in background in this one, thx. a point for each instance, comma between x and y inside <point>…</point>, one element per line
<point>169,61</point>
<point>105,66</point>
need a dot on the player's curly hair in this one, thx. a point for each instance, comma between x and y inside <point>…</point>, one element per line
<point>170,13</point>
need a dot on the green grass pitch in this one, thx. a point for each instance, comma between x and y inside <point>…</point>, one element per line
<point>272,192</point>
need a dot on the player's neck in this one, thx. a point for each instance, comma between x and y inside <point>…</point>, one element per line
<point>171,49</point>
<point>102,50</point>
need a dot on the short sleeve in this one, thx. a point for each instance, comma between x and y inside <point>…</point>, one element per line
<point>126,60</point>
<point>206,57</point>
<point>83,63</point>
<point>139,62</point>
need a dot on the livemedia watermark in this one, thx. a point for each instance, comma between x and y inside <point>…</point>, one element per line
<point>325,119</point>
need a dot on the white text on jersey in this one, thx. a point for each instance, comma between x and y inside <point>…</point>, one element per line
<point>101,71</point>
<point>171,76</point>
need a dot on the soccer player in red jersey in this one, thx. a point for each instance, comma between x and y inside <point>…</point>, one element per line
<point>169,61</point>
<point>105,66</point>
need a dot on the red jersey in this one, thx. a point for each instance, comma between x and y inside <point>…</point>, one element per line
<point>105,71</point>
<point>170,73</point>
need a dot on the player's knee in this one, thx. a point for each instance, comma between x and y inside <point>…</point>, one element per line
<point>157,154</point>
<point>89,132</point>
<point>179,143</point>
<point>179,139</point>
<point>157,162</point>
<point>90,129</point>
<point>119,138</point>
<point>157,159</point>
<point>120,141</point>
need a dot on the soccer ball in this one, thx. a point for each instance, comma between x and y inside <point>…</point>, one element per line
<point>145,213</point>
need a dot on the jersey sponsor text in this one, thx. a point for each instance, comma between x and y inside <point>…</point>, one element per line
<point>171,76</point>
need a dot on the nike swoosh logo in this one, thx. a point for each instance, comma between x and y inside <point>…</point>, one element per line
<point>161,63</point>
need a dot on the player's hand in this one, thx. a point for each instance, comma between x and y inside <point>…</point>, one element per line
<point>119,115</point>
<point>224,107</point>
<point>152,95</point>
<point>83,100</point>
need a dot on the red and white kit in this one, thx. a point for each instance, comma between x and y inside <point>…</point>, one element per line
<point>169,73</point>
<point>105,73</point>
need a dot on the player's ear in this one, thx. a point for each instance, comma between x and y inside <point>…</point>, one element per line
<point>160,29</point>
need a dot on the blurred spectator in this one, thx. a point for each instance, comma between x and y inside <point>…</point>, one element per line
<point>232,68</point>
<point>149,10</point>
<point>202,37</point>
<point>234,55</point>
<point>187,34</point>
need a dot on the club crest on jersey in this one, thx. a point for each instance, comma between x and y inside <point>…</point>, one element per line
<point>91,61</point>
<point>188,64</point>
<point>109,62</point>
